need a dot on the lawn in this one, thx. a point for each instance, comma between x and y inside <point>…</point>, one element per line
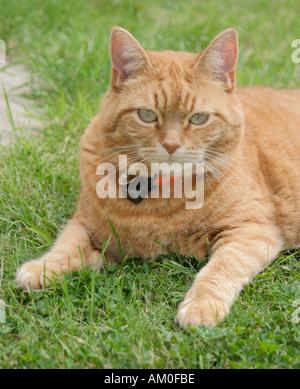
<point>123,317</point>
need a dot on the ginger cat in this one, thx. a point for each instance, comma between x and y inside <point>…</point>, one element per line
<point>176,106</point>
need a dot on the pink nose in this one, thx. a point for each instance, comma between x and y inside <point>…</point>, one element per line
<point>171,147</point>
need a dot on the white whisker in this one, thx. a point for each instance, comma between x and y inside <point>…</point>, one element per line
<point>216,159</point>
<point>215,173</point>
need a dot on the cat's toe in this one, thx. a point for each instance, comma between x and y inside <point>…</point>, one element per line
<point>30,275</point>
<point>205,310</point>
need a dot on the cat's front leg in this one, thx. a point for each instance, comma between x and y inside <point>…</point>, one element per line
<point>72,249</point>
<point>237,257</point>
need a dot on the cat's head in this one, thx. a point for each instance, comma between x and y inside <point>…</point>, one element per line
<point>172,106</point>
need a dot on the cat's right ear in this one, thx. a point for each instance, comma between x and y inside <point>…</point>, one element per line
<point>128,57</point>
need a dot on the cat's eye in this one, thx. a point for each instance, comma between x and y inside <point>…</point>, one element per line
<point>199,118</point>
<point>147,116</point>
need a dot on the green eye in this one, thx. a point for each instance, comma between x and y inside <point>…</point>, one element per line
<point>199,118</point>
<point>147,116</point>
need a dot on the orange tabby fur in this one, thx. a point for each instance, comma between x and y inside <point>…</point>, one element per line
<point>251,205</point>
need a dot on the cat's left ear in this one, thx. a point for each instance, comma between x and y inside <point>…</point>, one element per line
<point>219,59</point>
<point>128,58</point>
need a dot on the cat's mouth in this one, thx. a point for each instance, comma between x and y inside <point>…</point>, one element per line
<point>172,165</point>
<point>171,159</point>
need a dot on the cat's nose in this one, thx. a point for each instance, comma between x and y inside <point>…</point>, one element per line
<point>170,146</point>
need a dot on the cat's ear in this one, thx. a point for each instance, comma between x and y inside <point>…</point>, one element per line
<point>219,59</point>
<point>128,57</point>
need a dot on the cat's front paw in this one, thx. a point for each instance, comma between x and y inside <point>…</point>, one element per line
<point>205,309</point>
<point>38,274</point>
<point>31,275</point>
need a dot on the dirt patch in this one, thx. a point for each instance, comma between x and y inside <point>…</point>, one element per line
<point>14,79</point>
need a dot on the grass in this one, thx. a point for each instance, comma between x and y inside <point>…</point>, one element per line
<point>123,317</point>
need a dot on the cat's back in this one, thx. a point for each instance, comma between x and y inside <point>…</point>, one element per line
<point>271,147</point>
<point>272,119</point>
<point>273,106</point>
